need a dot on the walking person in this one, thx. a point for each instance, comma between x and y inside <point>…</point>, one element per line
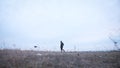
<point>61,46</point>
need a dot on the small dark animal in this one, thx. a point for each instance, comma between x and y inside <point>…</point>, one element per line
<point>35,46</point>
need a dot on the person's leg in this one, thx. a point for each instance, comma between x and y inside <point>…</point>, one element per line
<point>61,49</point>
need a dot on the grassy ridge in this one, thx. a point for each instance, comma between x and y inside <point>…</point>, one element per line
<point>42,59</point>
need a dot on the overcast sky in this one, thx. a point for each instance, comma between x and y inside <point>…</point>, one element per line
<point>80,24</point>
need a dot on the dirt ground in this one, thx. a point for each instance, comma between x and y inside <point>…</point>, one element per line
<point>46,59</point>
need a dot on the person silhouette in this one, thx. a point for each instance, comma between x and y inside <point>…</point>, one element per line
<point>61,46</point>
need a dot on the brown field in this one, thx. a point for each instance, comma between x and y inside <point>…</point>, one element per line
<point>45,59</point>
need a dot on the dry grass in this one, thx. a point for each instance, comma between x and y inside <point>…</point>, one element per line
<point>36,59</point>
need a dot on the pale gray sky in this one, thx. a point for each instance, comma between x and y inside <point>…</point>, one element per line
<point>84,24</point>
